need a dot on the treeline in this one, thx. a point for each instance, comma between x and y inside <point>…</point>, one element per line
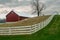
<point>2,20</point>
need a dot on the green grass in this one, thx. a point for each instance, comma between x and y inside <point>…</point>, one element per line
<point>50,32</point>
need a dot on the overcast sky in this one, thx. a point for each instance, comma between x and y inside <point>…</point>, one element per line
<point>21,5</point>
<point>25,6</point>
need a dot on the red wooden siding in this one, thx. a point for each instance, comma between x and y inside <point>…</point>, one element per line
<point>13,17</point>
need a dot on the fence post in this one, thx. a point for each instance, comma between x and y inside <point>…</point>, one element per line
<point>9,31</point>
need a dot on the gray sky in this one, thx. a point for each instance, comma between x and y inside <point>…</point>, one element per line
<point>25,6</point>
<point>14,3</point>
<point>17,3</point>
<point>52,6</point>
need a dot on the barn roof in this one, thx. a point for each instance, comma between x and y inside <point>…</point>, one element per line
<point>24,14</point>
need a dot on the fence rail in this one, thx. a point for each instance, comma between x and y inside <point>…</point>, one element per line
<point>22,30</point>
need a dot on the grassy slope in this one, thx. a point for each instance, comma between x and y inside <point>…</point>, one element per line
<point>50,32</point>
<point>29,21</point>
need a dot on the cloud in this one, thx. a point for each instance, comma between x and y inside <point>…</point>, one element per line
<point>5,1</point>
<point>19,0</point>
<point>15,3</point>
<point>27,9</point>
<point>19,5</point>
<point>25,5</point>
<point>1,5</point>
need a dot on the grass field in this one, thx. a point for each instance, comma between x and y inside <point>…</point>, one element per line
<point>50,32</point>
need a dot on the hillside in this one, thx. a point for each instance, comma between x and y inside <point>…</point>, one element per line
<point>50,32</point>
<point>29,21</point>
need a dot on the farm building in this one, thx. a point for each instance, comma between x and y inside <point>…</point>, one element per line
<point>13,17</point>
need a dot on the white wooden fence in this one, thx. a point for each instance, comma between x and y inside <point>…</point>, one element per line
<point>39,26</point>
<point>22,30</point>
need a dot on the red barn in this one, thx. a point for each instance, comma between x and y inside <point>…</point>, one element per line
<point>13,17</point>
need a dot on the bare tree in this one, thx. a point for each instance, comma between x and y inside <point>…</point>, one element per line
<point>38,7</point>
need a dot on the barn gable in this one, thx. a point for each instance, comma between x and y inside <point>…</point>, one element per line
<point>12,17</point>
<point>12,12</point>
